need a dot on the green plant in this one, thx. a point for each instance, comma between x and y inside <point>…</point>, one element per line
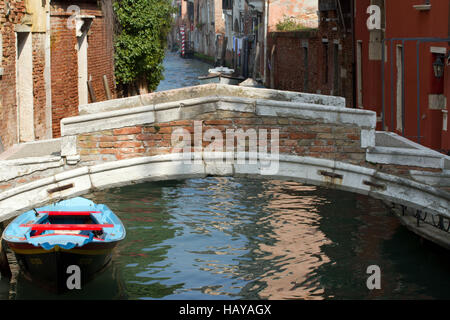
<point>143,26</point>
<point>290,24</point>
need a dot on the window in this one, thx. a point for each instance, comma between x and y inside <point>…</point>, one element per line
<point>190,11</point>
<point>359,81</point>
<point>325,61</point>
<point>399,88</point>
<point>449,24</point>
<point>305,68</point>
<point>336,88</point>
<point>227,4</point>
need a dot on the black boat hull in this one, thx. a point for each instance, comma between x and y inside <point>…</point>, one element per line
<point>59,270</point>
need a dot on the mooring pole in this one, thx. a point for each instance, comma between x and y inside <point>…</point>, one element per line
<point>5,270</point>
<point>107,89</point>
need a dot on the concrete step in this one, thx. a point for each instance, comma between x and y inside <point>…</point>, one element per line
<point>41,148</point>
<point>391,148</point>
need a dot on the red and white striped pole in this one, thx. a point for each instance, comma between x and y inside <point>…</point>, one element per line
<point>183,41</point>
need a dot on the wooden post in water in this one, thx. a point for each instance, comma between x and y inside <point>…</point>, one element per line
<point>256,65</point>
<point>5,270</point>
<point>91,91</point>
<point>224,51</point>
<point>107,90</point>
<point>272,69</point>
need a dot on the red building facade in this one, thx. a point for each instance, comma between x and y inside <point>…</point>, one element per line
<point>397,45</point>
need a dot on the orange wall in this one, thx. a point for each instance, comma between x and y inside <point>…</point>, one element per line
<point>301,10</point>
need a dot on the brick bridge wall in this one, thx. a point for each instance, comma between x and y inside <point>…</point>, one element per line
<point>296,137</point>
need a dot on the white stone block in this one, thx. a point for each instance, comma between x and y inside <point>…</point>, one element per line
<point>367,138</point>
<point>68,146</point>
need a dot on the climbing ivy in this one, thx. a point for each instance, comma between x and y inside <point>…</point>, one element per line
<point>143,26</point>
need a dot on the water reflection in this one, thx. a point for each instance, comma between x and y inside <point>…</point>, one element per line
<point>296,252</point>
<point>234,238</point>
<point>240,238</point>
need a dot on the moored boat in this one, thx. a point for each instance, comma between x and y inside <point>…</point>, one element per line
<point>220,78</point>
<point>220,75</point>
<point>76,232</point>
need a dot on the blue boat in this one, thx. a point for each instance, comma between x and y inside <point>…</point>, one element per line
<point>76,232</point>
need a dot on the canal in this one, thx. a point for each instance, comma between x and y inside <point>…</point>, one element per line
<point>249,238</point>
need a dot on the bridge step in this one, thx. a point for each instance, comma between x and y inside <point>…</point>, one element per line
<point>390,148</point>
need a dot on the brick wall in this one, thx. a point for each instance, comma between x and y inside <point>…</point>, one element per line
<point>64,68</point>
<point>100,59</point>
<point>8,104</point>
<point>64,60</point>
<point>289,71</point>
<point>326,68</point>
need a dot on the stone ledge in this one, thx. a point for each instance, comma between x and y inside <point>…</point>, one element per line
<point>406,157</point>
<point>391,139</point>
<point>426,231</point>
<point>206,90</point>
<point>13,169</point>
<point>190,108</point>
<point>435,179</point>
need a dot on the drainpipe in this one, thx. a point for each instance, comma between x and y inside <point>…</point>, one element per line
<point>266,12</point>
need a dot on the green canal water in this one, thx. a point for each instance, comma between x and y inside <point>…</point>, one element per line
<point>240,238</point>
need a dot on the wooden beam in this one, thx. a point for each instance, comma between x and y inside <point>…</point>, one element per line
<point>224,51</point>
<point>69,213</point>
<point>67,226</point>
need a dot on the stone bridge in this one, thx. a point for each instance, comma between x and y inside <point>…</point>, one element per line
<point>159,136</point>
